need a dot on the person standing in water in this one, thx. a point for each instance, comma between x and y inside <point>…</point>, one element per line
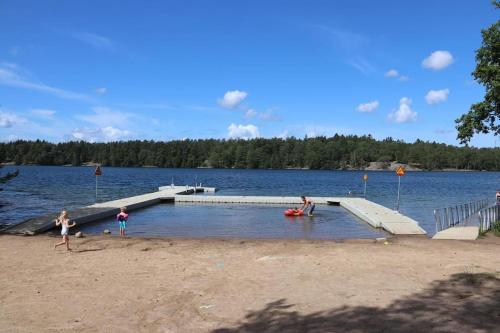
<point>308,204</point>
<point>63,221</point>
<point>122,219</point>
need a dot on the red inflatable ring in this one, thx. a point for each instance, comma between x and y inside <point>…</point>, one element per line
<point>293,212</point>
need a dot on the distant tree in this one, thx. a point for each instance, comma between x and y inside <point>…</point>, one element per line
<point>484,117</point>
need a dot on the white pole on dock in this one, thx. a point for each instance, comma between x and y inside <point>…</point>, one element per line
<point>400,171</point>
<point>97,173</point>
<point>399,186</point>
<point>365,178</point>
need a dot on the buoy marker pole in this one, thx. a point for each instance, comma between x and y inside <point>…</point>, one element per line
<point>399,186</point>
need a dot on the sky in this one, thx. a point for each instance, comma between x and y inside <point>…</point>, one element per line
<point>168,70</point>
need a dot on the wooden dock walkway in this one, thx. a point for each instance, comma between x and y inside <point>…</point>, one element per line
<point>459,233</point>
<point>466,231</point>
<point>374,214</point>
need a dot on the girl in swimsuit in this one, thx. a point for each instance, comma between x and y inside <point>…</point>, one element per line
<point>122,219</point>
<point>63,221</point>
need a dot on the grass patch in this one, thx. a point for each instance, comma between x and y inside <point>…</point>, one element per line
<point>482,233</point>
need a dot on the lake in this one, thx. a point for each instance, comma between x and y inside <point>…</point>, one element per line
<point>241,221</point>
<point>40,190</point>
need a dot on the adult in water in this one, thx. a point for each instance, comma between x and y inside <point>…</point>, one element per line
<point>308,204</point>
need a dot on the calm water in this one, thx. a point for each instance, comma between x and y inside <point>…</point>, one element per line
<point>246,221</point>
<point>40,190</point>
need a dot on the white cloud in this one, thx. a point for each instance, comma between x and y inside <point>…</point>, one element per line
<point>343,39</point>
<point>11,137</point>
<point>10,75</point>
<point>349,43</point>
<point>44,113</point>
<point>243,131</point>
<point>437,96</point>
<point>94,40</point>
<point>361,65</point>
<point>368,107</point>
<point>283,135</point>
<point>250,113</point>
<point>268,115</point>
<point>101,91</point>
<point>232,99</point>
<point>404,113</point>
<point>438,60</point>
<point>104,134</point>
<point>10,119</point>
<point>313,130</point>
<point>104,116</point>
<point>392,73</point>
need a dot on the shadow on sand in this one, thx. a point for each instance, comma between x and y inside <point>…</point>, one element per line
<point>465,303</point>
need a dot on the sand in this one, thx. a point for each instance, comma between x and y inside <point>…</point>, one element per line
<point>111,284</point>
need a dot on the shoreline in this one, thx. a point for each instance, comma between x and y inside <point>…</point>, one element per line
<point>388,237</point>
<point>91,165</point>
<point>127,284</point>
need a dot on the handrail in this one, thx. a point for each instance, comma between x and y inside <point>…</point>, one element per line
<point>457,215</point>
<point>487,217</point>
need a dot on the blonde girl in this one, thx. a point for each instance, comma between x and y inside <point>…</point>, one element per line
<point>63,221</point>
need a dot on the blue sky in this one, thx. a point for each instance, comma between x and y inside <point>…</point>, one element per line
<point>163,70</point>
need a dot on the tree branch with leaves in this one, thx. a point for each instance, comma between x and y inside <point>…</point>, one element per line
<point>484,117</point>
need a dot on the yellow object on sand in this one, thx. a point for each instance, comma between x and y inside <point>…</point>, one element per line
<point>386,243</point>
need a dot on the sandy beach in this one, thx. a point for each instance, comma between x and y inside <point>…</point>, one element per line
<point>111,284</point>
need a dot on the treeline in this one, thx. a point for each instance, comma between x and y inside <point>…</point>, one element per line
<point>337,152</point>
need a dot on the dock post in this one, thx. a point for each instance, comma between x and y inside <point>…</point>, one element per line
<point>365,178</point>
<point>399,185</point>
<point>97,173</point>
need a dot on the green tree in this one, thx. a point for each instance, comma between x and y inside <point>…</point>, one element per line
<point>484,117</point>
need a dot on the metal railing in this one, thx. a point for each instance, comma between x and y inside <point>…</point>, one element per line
<point>488,217</point>
<point>457,215</point>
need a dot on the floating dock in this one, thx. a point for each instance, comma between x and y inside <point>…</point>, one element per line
<point>458,233</point>
<point>374,214</point>
<point>103,210</point>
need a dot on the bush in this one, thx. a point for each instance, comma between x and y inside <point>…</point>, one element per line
<point>496,228</point>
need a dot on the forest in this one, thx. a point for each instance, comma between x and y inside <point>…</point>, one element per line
<point>339,152</point>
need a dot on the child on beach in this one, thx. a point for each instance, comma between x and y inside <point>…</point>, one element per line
<point>63,220</point>
<point>122,218</point>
